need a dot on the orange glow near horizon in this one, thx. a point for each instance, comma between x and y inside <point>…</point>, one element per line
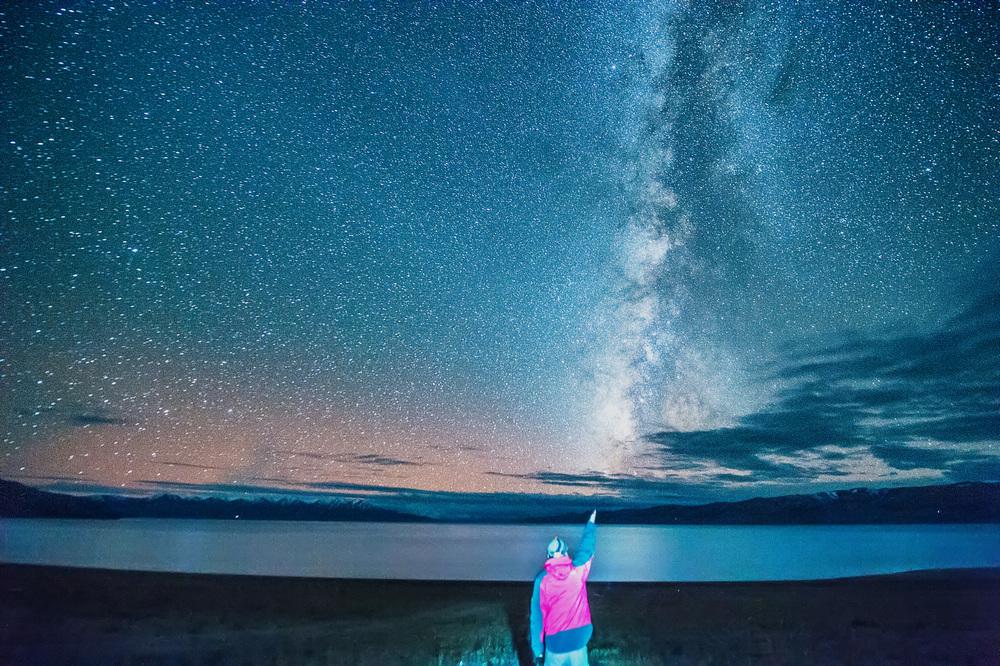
<point>287,452</point>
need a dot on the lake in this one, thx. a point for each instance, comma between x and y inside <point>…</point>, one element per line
<point>495,552</point>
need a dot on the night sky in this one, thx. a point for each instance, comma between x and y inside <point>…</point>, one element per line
<point>670,252</point>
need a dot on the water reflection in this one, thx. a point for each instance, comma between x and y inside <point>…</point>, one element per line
<point>496,552</point>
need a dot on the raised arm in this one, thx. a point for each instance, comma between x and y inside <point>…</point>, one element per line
<point>585,551</point>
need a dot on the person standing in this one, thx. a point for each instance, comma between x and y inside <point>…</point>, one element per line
<point>560,610</point>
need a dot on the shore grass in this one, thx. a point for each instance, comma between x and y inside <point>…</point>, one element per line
<point>65,616</point>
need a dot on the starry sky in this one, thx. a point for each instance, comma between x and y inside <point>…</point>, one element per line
<point>660,252</point>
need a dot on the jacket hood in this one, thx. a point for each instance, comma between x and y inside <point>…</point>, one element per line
<point>559,566</point>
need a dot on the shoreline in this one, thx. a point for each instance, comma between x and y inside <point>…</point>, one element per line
<point>62,615</point>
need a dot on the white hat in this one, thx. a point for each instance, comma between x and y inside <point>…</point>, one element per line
<point>557,547</point>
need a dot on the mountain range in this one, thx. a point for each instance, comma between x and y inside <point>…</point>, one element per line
<point>970,502</point>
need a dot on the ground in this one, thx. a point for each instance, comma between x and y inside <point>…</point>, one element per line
<point>59,616</point>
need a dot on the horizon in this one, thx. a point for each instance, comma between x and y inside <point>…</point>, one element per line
<point>521,507</point>
<point>635,253</point>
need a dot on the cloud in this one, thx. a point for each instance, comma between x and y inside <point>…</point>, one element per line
<point>624,486</point>
<point>903,409</point>
<point>897,406</point>
<point>92,418</point>
<point>71,414</point>
<point>303,454</point>
<point>384,461</point>
<point>171,463</point>
<point>944,385</point>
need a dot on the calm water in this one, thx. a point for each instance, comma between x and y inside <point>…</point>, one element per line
<point>496,552</point>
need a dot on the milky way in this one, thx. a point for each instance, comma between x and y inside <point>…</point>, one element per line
<point>671,251</point>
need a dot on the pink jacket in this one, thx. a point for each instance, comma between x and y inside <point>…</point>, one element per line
<point>563,595</point>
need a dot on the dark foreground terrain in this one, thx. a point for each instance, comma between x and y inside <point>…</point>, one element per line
<point>65,616</point>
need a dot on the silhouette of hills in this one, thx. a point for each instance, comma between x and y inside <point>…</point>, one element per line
<point>970,502</point>
<point>20,501</point>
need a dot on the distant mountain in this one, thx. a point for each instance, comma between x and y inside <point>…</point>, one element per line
<point>972,502</point>
<point>20,501</point>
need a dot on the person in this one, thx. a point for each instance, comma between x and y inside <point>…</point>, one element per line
<point>560,610</point>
